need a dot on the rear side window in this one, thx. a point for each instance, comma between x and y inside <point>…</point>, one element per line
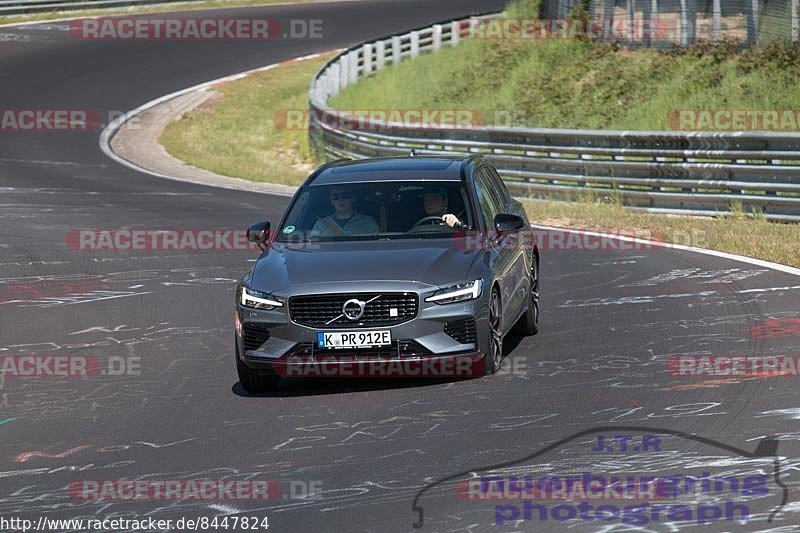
<point>496,194</point>
<point>487,201</point>
<point>498,183</point>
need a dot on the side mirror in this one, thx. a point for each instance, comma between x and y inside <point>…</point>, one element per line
<point>504,222</point>
<point>259,234</point>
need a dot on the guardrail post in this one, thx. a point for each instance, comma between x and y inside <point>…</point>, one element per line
<point>683,24</point>
<point>344,70</point>
<point>629,26</point>
<point>688,20</point>
<point>652,28</point>
<point>437,36</point>
<point>366,53</point>
<point>380,55</point>
<point>414,43</point>
<point>608,18</point>
<point>396,49</point>
<point>352,75</point>
<point>716,23</point>
<point>656,23</point>
<point>795,7</point>
<point>333,81</point>
<point>752,23</point>
<point>455,33</point>
<point>324,85</point>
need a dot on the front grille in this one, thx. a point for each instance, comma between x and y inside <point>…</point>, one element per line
<point>319,309</point>
<point>404,348</point>
<point>254,335</point>
<point>461,330</point>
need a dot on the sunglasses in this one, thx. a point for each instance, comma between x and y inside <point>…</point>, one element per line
<point>341,196</point>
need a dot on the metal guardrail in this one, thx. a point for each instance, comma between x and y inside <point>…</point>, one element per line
<point>673,172</point>
<point>21,7</point>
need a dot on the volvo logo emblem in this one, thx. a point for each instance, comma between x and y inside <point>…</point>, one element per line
<point>353,309</point>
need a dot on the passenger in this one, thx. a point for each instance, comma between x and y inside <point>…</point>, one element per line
<point>344,220</point>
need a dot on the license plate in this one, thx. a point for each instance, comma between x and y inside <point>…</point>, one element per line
<point>353,339</point>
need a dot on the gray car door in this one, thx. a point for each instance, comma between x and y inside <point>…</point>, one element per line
<point>503,259</point>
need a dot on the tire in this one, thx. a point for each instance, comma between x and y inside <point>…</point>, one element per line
<point>252,381</point>
<point>494,355</point>
<point>529,322</point>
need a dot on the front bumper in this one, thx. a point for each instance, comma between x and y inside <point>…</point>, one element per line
<point>270,342</point>
<point>462,365</point>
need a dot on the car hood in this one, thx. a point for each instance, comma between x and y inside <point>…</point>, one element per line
<point>424,261</point>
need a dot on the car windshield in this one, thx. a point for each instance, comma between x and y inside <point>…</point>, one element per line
<point>378,210</point>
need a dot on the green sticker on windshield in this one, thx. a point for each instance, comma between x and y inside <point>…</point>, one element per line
<point>288,229</point>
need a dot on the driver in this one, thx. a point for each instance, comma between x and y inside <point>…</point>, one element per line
<point>344,221</point>
<point>435,200</point>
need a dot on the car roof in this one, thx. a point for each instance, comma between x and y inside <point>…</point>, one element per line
<point>392,169</point>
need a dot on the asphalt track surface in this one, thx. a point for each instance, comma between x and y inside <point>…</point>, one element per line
<point>611,319</point>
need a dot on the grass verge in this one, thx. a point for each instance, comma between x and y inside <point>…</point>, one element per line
<point>579,84</point>
<point>139,10</point>
<point>753,237</point>
<point>235,134</point>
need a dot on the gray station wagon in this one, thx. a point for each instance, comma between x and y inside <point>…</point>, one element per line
<point>408,266</point>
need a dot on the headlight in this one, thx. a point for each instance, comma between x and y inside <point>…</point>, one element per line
<point>457,293</point>
<point>259,300</point>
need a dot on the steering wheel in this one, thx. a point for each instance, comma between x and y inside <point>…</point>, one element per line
<point>433,218</point>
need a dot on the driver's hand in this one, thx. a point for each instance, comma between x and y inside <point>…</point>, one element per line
<point>451,220</point>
